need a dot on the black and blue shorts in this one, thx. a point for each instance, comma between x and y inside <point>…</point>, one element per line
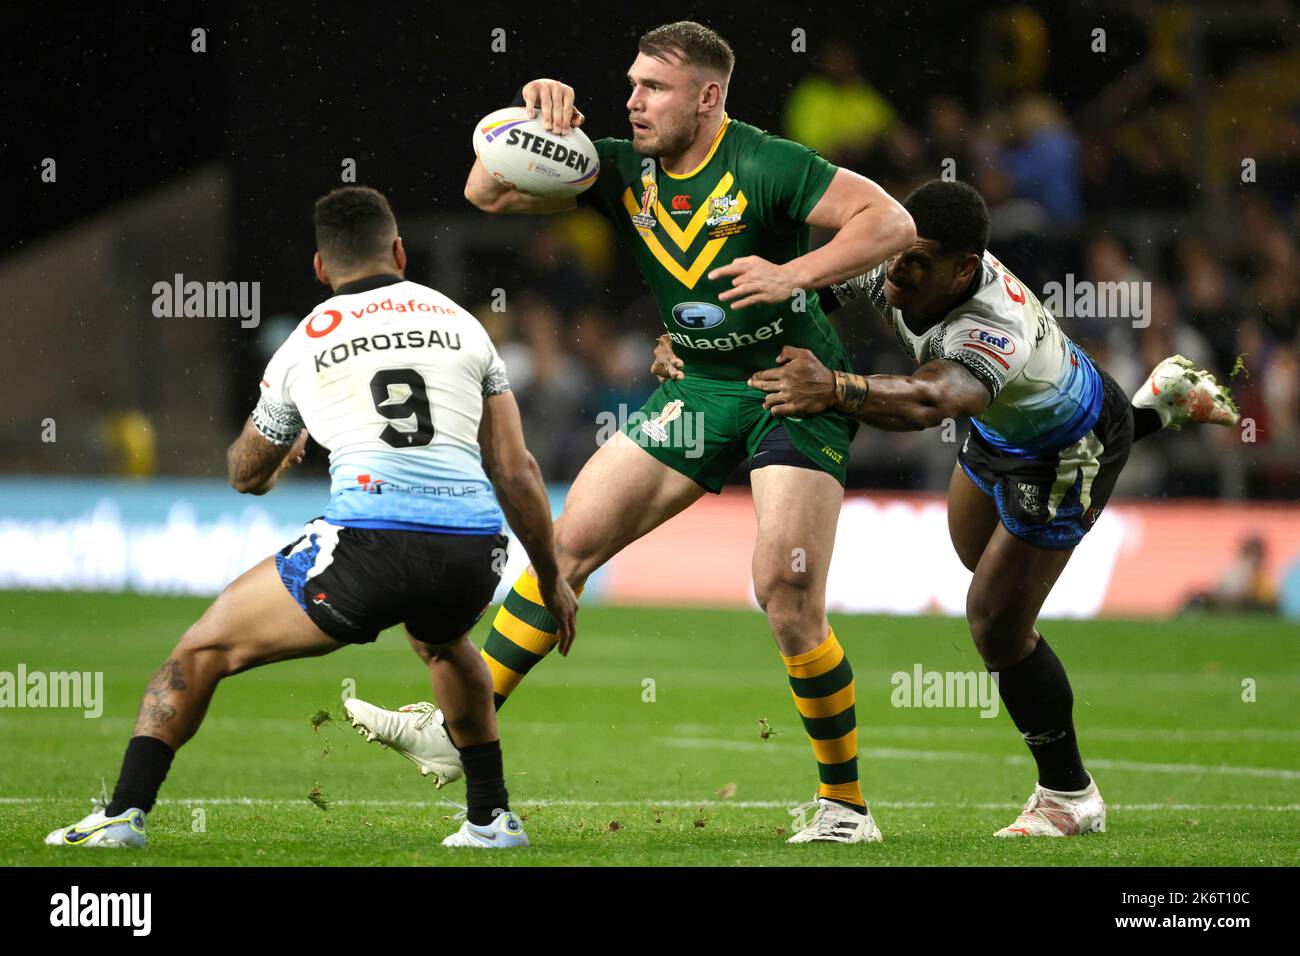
<point>1053,500</point>
<point>355,582</point>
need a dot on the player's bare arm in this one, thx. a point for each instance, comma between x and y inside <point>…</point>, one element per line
<point>869,225</point>
<point>553,100</point>
<point>518,482</point>
<point>938,390</point>
<point>254,464</point>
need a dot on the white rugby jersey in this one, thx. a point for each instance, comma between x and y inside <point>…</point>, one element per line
<point>1046,393</point>
<point>390,376</point>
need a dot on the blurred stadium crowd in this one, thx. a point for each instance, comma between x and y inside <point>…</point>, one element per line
<point>1088,197</point>
<point>1169,159</point>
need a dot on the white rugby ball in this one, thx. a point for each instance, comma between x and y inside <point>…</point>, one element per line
<point>520,154</point>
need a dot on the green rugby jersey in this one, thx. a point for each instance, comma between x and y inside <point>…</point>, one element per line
<point>750,196</point>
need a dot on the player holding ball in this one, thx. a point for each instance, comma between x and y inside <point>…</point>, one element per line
<point>728,274</point>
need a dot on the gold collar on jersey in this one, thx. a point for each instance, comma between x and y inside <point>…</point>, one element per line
<point>720,212</point>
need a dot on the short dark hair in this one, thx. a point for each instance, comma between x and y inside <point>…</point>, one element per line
<point>953,214</point>
<point>354,225</point>
<point>690,42</point>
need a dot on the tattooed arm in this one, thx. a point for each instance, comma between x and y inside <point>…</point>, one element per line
<point>801,385</point>
<point>253,463</point>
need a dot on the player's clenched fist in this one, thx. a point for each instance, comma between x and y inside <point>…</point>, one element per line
<point>555,102</point>
<point>666,364</point>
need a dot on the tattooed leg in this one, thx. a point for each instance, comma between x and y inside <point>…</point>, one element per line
<point>253,622</point>
<point>158,707</point>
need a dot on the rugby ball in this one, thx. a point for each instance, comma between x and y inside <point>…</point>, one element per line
<point>520,154</point>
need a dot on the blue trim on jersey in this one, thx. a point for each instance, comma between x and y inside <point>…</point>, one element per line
<point>381,525</point>
<point>473,511</point>
<point>1066,434</point>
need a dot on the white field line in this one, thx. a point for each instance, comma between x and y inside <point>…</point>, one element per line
<point>985,731</point>
<point>902,753</point>
<point>679,804</point>
<point>865,731</point>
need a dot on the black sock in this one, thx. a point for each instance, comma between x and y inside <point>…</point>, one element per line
<point>144,768</point>
<point>1038,698</point>
<point>1146,421</point>
<point>485,782</point>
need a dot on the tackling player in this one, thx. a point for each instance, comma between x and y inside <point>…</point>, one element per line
<point>1050,433</point>
<point>407,391</point>
<point>717,214</point>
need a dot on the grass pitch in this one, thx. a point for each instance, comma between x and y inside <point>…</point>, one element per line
<point>644,748</point>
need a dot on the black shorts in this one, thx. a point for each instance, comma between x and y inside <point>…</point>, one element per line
<point>1053,500</point>
<point>355,582</point>
<point>776,448</point>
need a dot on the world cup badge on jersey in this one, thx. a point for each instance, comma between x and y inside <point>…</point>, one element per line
<point>645,219</point>
<point>656,427</point>
<point>722,210</point>
<point>724,217</point>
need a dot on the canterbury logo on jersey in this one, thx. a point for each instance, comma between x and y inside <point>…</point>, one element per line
<point>720,206</point>
<point>383,341</point>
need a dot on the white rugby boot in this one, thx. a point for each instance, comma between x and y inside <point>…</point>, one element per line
<point>416,732</point>
<point>503,833</point>
<point>121,831</point>
<point>1181,393</point>
<point>1056,813</point>
<point>834,823</point>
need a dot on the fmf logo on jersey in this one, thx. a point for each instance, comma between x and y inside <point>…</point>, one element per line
<point>697,315</point>
<point>999,343</point>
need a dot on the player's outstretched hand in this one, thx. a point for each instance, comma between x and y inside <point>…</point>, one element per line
<point>754,280</point>
<point>555,101</point>
<point>799,385</point>
<point>563,605</point>
<point>666,364</point>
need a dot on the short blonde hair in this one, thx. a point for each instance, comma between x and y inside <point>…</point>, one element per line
<point>691,43</point>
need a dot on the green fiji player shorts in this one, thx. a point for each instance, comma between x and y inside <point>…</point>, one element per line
<point>705,427</point>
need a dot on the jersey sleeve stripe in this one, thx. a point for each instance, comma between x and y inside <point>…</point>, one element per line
<point>989,352</point>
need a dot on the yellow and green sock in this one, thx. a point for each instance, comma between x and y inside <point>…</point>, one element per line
<point>523,632</point>
<point>821,682</point>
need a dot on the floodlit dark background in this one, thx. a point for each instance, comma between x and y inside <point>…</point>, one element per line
<point>1110,166</point>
